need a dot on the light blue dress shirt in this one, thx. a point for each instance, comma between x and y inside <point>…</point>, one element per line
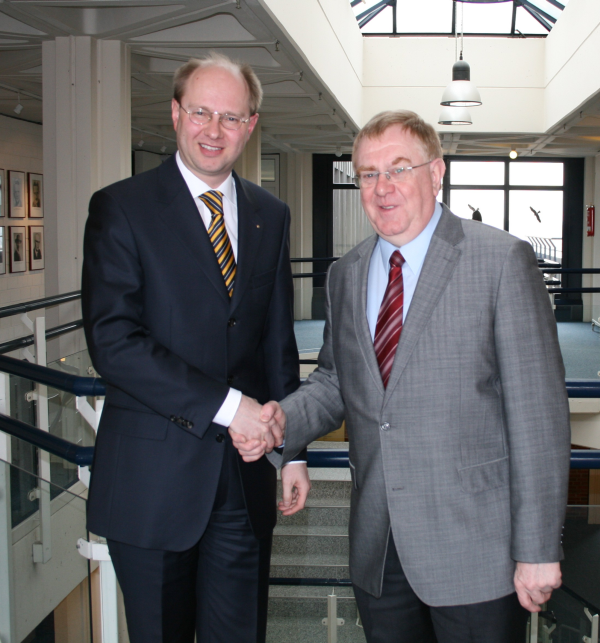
<point>414,255</point>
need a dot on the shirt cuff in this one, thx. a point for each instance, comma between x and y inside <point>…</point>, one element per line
<point>294,462</point>
<point>229,408</point>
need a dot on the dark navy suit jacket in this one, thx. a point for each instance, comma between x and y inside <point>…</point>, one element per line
<point>163,333</point>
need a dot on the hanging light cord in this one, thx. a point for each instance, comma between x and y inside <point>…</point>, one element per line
<point>462,27</point>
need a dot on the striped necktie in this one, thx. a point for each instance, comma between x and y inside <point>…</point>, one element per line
<point>389,320</point>
<point>219,237</point>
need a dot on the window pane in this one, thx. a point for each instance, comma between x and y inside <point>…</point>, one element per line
<point>343,172</point>
<point>476,173</point>
<point>484,18</point>
<point>350,223</point>
<point>490,204</point>
<point>382,23</point>
<point>434,16</point>
<point>523,223</point>
<point>267,170</point>
<point>527,24</point>
<point>536,173</point>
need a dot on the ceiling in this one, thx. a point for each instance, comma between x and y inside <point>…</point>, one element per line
<point>298,113</point>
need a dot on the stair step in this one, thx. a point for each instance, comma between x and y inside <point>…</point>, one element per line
<point>314,540</point>
<point>315,565</point>
<point>311,606</point>
<point>310,630</point>
<point>327,513</point>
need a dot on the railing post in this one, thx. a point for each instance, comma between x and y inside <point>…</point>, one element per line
<point>42,550</point>
<point>108,588</point>
<point>534,622</point>
<point>332,621</point>
<point>7,595</point>
<point>595,620</point>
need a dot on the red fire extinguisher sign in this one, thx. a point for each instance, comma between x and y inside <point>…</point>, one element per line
<point>591,220</point>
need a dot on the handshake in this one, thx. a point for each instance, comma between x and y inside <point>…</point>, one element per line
<point>255,429</point>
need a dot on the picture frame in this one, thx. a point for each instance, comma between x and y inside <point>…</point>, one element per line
<point>16,250</point>
<point>16,194</point>
<point>2,250</point>
<point>35,183</point>
<point>2,193</point>
<point>37,252</point>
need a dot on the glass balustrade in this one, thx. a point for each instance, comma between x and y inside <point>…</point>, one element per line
<point>51,601</point>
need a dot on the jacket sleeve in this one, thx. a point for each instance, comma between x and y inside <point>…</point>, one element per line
<point>121,347</point>
<point>536,409</point>
<point>317,407</point>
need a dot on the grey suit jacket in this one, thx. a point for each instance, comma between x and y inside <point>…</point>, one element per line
<point>465,456</point>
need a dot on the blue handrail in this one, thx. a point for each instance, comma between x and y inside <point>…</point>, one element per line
<point>81,456</point>
<point>79,386</point>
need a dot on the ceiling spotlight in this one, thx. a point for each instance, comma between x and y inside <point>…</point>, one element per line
<point>455,116</point>
<point>163,149</point>
<point>513,154</point>
<point>141,142</point>
<point>338,151</point>
<point>19,108</point>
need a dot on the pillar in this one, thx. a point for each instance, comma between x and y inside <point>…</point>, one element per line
<point>87,145</point>
<point>248,165</point>
<point>299,198</point>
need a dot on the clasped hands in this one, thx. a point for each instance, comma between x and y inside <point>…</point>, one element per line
<point>255,429</point>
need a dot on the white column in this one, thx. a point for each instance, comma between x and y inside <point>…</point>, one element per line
<point>299,198</point>
<point>593,194</point>
<point>248,165</point>
<point>588,242</point>
<point>87,132</point>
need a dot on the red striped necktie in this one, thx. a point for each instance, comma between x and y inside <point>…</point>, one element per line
<point>219,237</point>
<point>389,320</point>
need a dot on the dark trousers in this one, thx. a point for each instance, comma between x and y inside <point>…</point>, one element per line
<point>399,616</point>
<point>217,590</point>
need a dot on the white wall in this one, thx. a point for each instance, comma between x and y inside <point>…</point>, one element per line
<point>412,73</point>
<point>572,72</point>
<point>326,35</point>
<point>21,150</point>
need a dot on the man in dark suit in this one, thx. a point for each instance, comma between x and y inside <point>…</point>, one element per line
<point>441,354</point>
<point>187,303</point>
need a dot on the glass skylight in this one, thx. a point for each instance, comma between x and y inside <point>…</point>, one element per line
<point>437,17</point>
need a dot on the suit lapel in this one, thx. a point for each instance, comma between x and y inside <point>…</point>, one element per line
<point>360,274</point>
<point>440,261</point>
<point>250,231</point>
<point>181,216</point>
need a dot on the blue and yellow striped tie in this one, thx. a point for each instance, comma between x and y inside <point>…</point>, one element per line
<point>219,237</point>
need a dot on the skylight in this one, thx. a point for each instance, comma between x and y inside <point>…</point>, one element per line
<point>448,17</point>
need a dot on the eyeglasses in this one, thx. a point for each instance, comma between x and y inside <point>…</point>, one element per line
<point>395,175</point>
<point>202,116</point>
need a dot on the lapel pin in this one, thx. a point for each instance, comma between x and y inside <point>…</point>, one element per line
<point>257,225</point>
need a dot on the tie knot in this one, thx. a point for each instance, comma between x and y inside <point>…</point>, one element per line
<point>396,260</point>
<point>213,199</point>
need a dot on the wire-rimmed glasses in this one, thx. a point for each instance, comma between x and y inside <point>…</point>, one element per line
<point>369,178</point>
<point>202,116</point>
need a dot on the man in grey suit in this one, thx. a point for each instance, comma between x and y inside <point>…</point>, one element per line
<point>441,353</point>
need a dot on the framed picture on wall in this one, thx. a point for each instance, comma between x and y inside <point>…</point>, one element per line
<point>2,192</point>
<point>36,197</point>
<point>16,194</point>
<point>16,250</point>
<point>2,250</point>
<point>36,247</point>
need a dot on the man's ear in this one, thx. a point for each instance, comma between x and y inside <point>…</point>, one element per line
<point>437,167</point>
<point>175,113</point>
<point>252,124</point>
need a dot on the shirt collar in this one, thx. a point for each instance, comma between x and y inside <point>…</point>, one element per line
<point>414,251</point>
<point>198,187</point>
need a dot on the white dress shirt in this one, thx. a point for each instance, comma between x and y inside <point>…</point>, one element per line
<point>197,187</point>
<point>414,255</point>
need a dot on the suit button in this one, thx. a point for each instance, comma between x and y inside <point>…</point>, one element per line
<point>385,426</point>
<point>189,425</point>
<point>231,323</point>
<point>173,418</point>
<point>220,437</point>
<point>230,381</point>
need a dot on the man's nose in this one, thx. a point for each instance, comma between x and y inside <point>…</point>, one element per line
<point>383,185</point>
<point>213,127</point>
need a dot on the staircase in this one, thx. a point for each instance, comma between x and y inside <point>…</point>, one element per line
<point>314,544</point>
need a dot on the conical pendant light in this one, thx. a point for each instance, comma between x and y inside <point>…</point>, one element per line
<point>461,92</point>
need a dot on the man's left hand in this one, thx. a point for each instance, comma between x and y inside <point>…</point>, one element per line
<point>296,485</point>
<point>534,583</point>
